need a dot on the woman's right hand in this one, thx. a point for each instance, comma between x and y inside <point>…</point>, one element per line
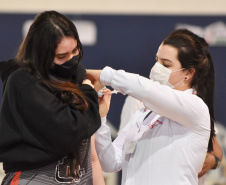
<point>104,102</point>
<point>88,82</point>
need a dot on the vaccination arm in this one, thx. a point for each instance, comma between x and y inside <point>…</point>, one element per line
<point>54,120</point>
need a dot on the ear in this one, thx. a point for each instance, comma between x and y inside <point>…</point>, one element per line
<point>189,74</point>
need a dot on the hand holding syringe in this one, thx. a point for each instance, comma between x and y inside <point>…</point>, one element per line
<point>100,93</point>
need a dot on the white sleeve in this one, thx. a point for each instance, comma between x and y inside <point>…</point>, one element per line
<point>109,154</point>
<point>184,108</point>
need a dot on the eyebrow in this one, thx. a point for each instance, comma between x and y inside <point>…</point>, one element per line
<point>164,59</point>
<point>59,54</point>
<point>167,60</point>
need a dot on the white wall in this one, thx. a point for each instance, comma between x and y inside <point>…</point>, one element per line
<point>117,6</point>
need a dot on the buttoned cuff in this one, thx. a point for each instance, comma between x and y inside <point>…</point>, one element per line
<point>104,120</point>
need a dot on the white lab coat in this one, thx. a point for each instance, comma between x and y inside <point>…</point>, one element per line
<point>169,147</point>
<point>129,108</point>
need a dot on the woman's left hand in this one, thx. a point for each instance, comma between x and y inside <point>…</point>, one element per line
<point>104,102</point>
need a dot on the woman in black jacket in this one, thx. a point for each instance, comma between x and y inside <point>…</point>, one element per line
<point>48,112</point>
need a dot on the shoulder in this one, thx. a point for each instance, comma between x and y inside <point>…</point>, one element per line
<point>198,111</point>
<point>22,76</point>
<point>21,79</point>
<point>193,101</point>
<point>7,68</point>
<point>198,102</point>
<point>197,106</point>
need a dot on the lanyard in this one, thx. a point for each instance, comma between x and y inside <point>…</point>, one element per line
<point>147,115</point>
<point>140,124</point>
<point>148,121</point>
<point>130,145</point>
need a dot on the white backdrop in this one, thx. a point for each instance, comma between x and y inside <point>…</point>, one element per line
<point>117,6</point>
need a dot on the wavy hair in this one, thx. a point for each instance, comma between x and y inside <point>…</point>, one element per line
<point>37,53</point>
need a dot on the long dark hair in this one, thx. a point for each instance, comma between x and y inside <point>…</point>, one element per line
<point>193,53</point>
<point>37,53</point>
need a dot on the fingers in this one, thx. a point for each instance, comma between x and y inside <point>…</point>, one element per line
<point>88,82</point>
<point>105,95</point>
<point>104,102</point>
<point>208,164</point>
<point>201,174</point>
<point>204,170</point>
<point>100,92</point>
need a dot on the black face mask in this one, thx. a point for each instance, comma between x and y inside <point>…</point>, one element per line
<point>70,70</point>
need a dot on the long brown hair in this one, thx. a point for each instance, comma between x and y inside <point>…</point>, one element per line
<point>193,53</point>
<point>37,53</point>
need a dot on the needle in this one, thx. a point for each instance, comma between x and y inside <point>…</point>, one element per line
<point>114,92</point>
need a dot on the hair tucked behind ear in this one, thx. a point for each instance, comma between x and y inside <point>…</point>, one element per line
<point>193,54</point>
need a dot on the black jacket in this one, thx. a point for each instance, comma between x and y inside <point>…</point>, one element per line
<point>36,127</point>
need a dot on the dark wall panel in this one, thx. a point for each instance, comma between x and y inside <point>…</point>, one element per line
<point>125,42</point>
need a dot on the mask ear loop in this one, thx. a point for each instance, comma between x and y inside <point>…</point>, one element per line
<point>181,80</point>
<point>178,83</point>
<point>178,70</point>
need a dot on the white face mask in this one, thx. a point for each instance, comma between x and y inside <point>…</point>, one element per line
<point>161,74</point>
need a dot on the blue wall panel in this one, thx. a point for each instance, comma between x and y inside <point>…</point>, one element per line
<point>124,42</point>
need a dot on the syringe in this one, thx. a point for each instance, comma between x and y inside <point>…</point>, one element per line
<point>101,94</point>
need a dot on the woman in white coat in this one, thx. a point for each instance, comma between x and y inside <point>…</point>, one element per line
<point>167,141</point>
